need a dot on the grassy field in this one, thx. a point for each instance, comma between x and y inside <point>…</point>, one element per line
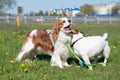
<point>11,39</point>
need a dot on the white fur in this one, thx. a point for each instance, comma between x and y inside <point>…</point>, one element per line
<point>60,55</point>
<point>91,46</point>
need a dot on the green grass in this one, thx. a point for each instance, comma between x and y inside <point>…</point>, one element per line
<point>11,39</point>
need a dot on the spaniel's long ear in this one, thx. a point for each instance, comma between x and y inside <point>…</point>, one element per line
<point>56,29</point>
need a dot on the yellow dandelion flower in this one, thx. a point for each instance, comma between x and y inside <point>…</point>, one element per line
<point>114,47</point>
<point>7,53</point>
<point>26,70</point>
<point>22,65</point>
<point>0,71</point>
<point>44,77</point>
<point>12,62</point>
<point>14,33</point>
<point>119,42</point>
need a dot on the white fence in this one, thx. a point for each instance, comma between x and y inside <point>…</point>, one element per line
<point>51,19</point>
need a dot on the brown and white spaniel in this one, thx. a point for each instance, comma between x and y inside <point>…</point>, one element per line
<point>52,41</point>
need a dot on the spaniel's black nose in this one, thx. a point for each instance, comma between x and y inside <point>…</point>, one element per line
<point>69,21</point>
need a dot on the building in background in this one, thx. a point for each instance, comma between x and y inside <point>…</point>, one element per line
<point>70,12</point>
<point>107,9</point>
<point>58,11</point>
<point>75,11</point>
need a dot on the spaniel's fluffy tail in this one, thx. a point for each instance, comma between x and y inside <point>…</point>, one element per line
<point>105,36</point>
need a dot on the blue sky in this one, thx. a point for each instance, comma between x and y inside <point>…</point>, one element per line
<point>37,5</point>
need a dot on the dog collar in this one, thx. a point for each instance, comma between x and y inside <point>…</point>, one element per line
<point>75,41</point>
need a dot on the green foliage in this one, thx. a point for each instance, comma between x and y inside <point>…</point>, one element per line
<point>115,9</point>
<point>12,38</point>
<point>54,14</point>
<point>6,4</point>
<point>40,13</point>
<point>32,13</point>
<point>87,9</point>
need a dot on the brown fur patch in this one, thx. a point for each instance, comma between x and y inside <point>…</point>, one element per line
<point>42,40</point>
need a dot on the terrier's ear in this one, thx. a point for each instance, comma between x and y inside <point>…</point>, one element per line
<point>81,31</point>
<point>76,31</point>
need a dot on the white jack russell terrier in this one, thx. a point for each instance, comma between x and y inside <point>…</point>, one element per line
<point>91,46</point>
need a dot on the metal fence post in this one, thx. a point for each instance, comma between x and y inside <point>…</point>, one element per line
<point>71,19</point>
<point>41,19</point>
<point>85,20</point>
<point>8,20</point>
<point>25,19</point>
<point>110,20</point>
<point>98,20</point>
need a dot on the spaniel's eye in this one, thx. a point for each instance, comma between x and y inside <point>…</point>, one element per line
<point>63,21</point>
<point>61,24</point>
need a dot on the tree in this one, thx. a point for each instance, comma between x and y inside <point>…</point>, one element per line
<point>87,9</point>
<point>116,9</point>
<point>40,13</point>
<point>7,4</point>
<point>32,13</point>
<point>54,14</point>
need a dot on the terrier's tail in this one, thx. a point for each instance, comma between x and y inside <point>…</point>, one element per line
<point>105,36</point>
